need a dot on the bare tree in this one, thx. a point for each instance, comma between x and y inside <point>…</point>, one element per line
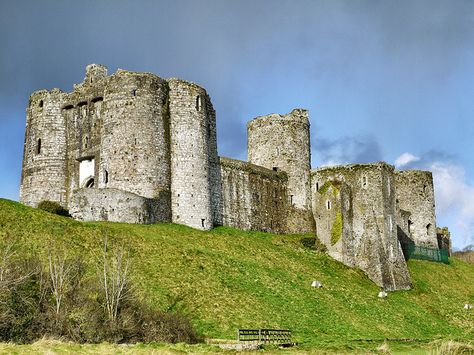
<point>62,271</point>
<point>9,273</point>
<point>115,278</point>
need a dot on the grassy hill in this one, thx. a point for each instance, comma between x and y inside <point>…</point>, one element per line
<point>226,279</point>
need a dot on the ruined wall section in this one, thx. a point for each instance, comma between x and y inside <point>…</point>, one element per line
<point>282,142</point>
<point>215,178</point>
<point>193,155</point>
<point>444,239</point>
<point>332,211</point>
<point>369,214</point>
<point>119,206</point>
<point>254,198</point>
<point>45,150</point>
<point>403,231</point>
<point>415,193</point>
<point>134,153</point>
<point>83,112</point>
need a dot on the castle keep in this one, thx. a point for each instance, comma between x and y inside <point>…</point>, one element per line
<point>133,147</point>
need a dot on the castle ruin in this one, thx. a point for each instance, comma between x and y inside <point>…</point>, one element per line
<point>133,147</point>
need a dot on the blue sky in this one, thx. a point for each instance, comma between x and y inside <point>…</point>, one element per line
<point>383,80</point>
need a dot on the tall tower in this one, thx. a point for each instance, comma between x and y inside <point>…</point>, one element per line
<point>194,161</point>
<point>134,152</point>
<point>44,158</point>
<point>282,142</point>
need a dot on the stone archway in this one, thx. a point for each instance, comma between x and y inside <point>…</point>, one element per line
<point>88,182</point>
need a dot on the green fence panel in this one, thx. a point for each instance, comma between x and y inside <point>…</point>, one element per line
<point>431,254</point>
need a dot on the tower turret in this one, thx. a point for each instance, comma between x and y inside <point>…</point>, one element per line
<point>194,162</point>
<point>134,153</point>
<point>44,159</point>
<point>281,142</point>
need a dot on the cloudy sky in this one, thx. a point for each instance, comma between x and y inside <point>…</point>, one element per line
<point>383,80</point>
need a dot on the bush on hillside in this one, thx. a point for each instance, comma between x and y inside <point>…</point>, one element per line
<point>28,309</point>
<point>53,207</point>
<point>313,243</point>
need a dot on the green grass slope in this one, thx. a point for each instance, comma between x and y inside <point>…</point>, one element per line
<point>227,279</point>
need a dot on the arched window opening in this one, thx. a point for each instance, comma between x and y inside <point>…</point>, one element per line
<point>364,181</point>
<point>291,200</point>
<point>134,92</point>
<point>317,186</point>
<point>106,176</point>
<point>90,183</point>
<point>328,205</point>
<point>428,229</point>
<point>198,103</point>
<point>409,226</point>
<point>86,142</point>
<point>41,104</point>
<point>38,146</point>
<point>202,222</point>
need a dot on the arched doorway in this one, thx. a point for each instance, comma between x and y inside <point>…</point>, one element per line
<point>89,183</point>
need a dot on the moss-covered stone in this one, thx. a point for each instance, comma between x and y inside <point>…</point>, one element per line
<point>336,231</point>
<point>330,184</point>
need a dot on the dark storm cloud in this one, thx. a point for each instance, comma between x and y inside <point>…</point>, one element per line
<point>378,77</point>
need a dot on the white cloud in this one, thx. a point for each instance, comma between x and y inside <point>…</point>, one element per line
<point>330,162</point>
<point>406,158</point>
<point>455,196</point>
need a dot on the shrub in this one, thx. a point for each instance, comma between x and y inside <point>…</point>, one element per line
<point>28,312</point>
<point>20,302</point>
<point>313,243</point>
<point>53,207</point>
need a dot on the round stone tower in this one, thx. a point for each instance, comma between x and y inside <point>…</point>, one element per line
<point>194,162</point>
<point>44,160</point>
<point>281,142</point>
<point>134,152</point>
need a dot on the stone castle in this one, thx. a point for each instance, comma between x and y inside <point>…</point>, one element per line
<point>133,147</point>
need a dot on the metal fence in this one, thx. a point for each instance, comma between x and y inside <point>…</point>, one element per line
<point>431,254</point>
<point>265,336</point>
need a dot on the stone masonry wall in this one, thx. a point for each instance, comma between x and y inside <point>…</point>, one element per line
<point>44,160</point>
<point>119,206</point>
<point>403,234</point>
<point>332,211</point>
<point>444,239</point>
<point>192,130</point>
<point>415,193</point>
<point>368,210</point>
<point>135,136</point>
<point>83,111</point>
<point>254,198</point>
<point>282,142</point>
